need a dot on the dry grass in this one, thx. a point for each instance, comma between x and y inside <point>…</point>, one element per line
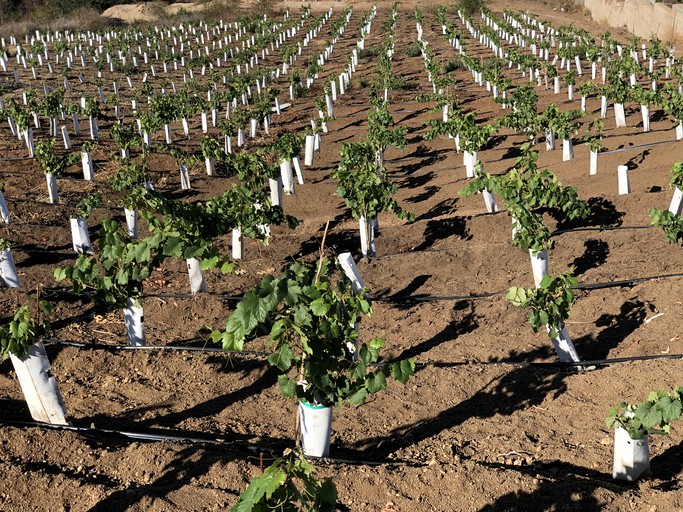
<point>83,18</point>
<point>48,16</point>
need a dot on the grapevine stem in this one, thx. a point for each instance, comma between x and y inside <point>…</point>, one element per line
<point>322,252</point>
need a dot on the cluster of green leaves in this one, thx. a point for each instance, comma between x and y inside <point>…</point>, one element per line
<point>414,49</point>
<point>492,70</point>
<point>164,107</point>
<point>473,136</point>
<point>51,105</point>
<point>20,114</point>
<point>50,162</point>
<point>287,145</point>
<point>124,136</point>
<point>118,269</point>
<point>562,123</point>
<point>523,116</point>
<point>594,134</point>
<point>211,148</point>
<point>570,77</point>
<point>588,88</point>
<point>364,185</point>
<point>534,188</point>
<point>618,90</point>
<point>549,304</point>
<point>131,174</point>
<point>381,131</point>
<point>92,107</point>
<point>676,173</point>
<point>149,121</point>
<point>86,205</point>
<point>24,329</point>
<point>311,321</point>
<point>651,417</point>
<point>194,227</point>
<point>672,102</point>
<point>288,485</point>
<point>645,95</point>
<point>526,188</point>
<point>670,223</point>
<point>530,231</point>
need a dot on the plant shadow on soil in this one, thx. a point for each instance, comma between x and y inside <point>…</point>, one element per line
<point>17,409</point>
<point>576,486</point>
<point>429,191</point>
<point>44,467</point>
<point>412,182</point>
<point>636,160</point>
<point>407,291</point>
<point>595,255</point>
<point>209,408</point>
<point>463,321</point>
<point>37,256</point>
<point>668,466</point>
<point>445,207</point>
<point>335,243</point>
<point>441,229</point>
<point>517,389</point>
<point>603,213</point>
<point>188,465</point>
<point>617,328</point>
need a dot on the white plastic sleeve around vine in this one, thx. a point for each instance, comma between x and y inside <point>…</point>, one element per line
<point>194,271</point>
<point>80,237</point>
<point>349,267</point>
<point>631,456</point>
<point>133,318</point>
<point>8,270</point>
<point>39,386</point>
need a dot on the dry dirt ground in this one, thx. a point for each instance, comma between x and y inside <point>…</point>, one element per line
<point>477,428</point>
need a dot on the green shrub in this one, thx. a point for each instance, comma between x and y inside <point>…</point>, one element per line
<point>366,53</point>
<point>413,50</point>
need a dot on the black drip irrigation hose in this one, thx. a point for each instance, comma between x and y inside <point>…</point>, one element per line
<point>598,228</point>
<point>435,298</point>
<point>257,450</point>
<point>436,364</point>
<point>39,174</point>
<point>152,348</point>
<point>631,148</point>
<point>180,438</point>
<point>136,436</point>
<point>624,282</point>
<point>394,298</point>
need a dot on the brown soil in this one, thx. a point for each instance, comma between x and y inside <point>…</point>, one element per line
<point>471,431</point>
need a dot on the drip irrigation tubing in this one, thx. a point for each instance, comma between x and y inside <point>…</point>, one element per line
<point>397,298</point>
<point>60,204</point>
<point>435,298</point>
<point>598,228</point>
<point>151,348</point>
<point>624,282</point>
<point>436,364</point>
<point>180,438</point>
<point>631,148</point>
<point>38,174</point>
<point>258,450</point>
<point>554,364</point>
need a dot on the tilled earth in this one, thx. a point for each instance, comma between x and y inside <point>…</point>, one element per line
<point>477,428</point>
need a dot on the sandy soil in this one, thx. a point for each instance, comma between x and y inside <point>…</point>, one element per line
<point>477,428</point>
